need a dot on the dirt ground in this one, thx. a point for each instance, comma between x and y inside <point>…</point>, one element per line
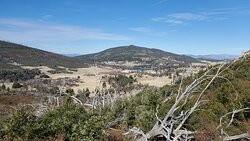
<point>15,100</point>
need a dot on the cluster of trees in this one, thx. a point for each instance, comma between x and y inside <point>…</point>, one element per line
<point>121,82</point>
<point>18,74</point>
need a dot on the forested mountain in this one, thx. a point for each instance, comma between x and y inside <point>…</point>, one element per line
<point>20,54</point>
<point>138,54</point>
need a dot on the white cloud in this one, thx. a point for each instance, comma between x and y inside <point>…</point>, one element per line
<point>141,29</point>
<point>148,31</point>
<point>45,17</point>
<point>188,16</point>
<point>215,14</point>
<point>160,2</point>
<point>180,18</point>
<point>28,30</point>
<point>168,20</point>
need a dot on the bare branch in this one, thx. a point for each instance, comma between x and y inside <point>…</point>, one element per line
<point>237,137</point>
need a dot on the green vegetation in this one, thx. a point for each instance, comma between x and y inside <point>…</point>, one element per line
<point>70,121</point>
<point>3,87</point>
<point>43,75</point>
<point>121,82</point>
<point>16,85</point>
<point>57,70</point>
<point>86,92</point>
<point>18,75</point>
<point>70,91</point>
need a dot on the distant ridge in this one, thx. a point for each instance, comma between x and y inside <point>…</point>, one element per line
<point>11,52</point>
<point>71,55</point>
<point>138,54</point>
<point>215,57</point>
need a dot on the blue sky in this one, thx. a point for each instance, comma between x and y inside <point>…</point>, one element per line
<point>88,26</point>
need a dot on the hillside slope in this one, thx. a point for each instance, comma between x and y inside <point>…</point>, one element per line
<point>228,92</point>
<point>143,55</point>
<point>11,52</point>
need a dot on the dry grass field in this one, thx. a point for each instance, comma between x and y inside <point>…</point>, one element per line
<point>90,77</point>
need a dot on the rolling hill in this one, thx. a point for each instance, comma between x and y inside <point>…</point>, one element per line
<point>20,54</point>
<point>142,55</point>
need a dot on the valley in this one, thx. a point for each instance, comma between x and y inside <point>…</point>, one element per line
<point>124,70</point>
<point>102,83</point>
<point>162,72</point>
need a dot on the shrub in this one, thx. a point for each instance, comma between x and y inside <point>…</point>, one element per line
<point>70,91</point>
<point>16,85</point>
<point>3,87</point>
<point>69,120</point>
<point>44,76</point>
<point>18,75</point>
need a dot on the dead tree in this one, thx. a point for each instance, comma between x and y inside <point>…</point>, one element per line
<point>223,126</point>
<point>171,127</point>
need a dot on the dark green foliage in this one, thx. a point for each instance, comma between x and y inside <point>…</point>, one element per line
<point>57,70</point>
<point>70,120</point>
<point>104,85</point>
<point>86,92</point>
<point>224,92</point>
<point>16,85</point>
<point>70,91</point>
<point>130,114</point>
<point>3,87</point>
<point>18,75</point>
<point>44,75</point>
<point>121,82</point>
<point>18,124</point>
<point>140,111</point>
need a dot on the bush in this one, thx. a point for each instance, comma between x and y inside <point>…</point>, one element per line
<point>18,75</point>
<point>19,125</point>
<point>16,85</point>
<point>3,87</point>
<point>69,120</point>
<point>70,91</point>
<point>44,76</point>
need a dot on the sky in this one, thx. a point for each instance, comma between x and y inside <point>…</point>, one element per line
<point>89,26</point>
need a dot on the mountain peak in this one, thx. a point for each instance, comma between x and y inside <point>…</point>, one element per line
<point>143,55</point>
